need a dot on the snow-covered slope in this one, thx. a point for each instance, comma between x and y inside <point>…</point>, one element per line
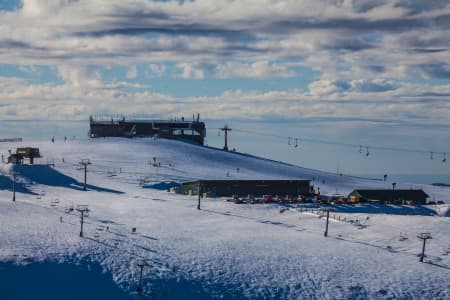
<point>224,250</point>
<point>130,161</point>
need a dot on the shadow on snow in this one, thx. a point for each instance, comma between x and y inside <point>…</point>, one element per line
<point>87,280</point>
<point>6,183</point>
<point>47,175</point>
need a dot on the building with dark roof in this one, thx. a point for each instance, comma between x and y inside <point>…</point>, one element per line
<point>194,131</point>
<point>412,197</point>
<point>22,153</point>
<point>228,188</point>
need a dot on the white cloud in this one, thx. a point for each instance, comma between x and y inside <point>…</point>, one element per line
<point>78,76</point>
<point>354,45</point>
<point>240,32</point>
<point>191,71</point>
<point>22,100</point>
<point>157,70</point>
<point>256,70</point>
<point>132,72</point>
<point>259,70</point>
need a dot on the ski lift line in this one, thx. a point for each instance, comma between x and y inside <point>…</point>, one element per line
<point>356,146</point>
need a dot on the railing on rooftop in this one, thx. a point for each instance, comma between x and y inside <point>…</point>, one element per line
<point>115,119</point>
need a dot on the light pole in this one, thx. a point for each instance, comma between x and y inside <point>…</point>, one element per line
<point>82,209</point>
<point>424,236</point>
<point>14,174</point>
<point>141,264</point>
<point>393,191</point>
<point>199,193</point>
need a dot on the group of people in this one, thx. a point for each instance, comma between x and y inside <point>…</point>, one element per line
<point>65,138</point>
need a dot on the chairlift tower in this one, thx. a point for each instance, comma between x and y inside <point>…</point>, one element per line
<point>85,163</point>
<point>424,236</point>
<point>141,264</point>
<point>226,129</point>
<point>82,209</point>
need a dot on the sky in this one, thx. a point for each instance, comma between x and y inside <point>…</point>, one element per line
<point>373,73</point>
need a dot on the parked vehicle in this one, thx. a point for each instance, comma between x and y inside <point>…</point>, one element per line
<point>251,199</point>
<point>287,199</point>
<point>278,199</point>
<point>267,198</point>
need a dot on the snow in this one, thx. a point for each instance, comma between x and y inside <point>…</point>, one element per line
<point>224,250</point>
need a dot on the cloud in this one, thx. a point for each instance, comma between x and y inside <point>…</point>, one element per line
<point>376,101</point>
<point>78,76</point>
<point>375,86</point>
<point>90,32</point>
<point>156,70</point>
<point>342,88</point>
<point>256,70</point>
<point>132,72</point>
<point>364,53</point>
<point>193,70</point>
<point>433,71</point>
<point>259,70</point>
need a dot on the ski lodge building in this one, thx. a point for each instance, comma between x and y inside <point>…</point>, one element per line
<point>228,188</point>
<point>193,131</point>
<point>410,197</point>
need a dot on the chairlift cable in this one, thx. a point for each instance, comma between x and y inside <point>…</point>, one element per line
<point>350,145</point>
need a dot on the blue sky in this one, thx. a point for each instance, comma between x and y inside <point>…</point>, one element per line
<point>364,72</point>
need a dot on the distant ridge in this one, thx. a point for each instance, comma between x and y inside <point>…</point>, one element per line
<point>440,184</point>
